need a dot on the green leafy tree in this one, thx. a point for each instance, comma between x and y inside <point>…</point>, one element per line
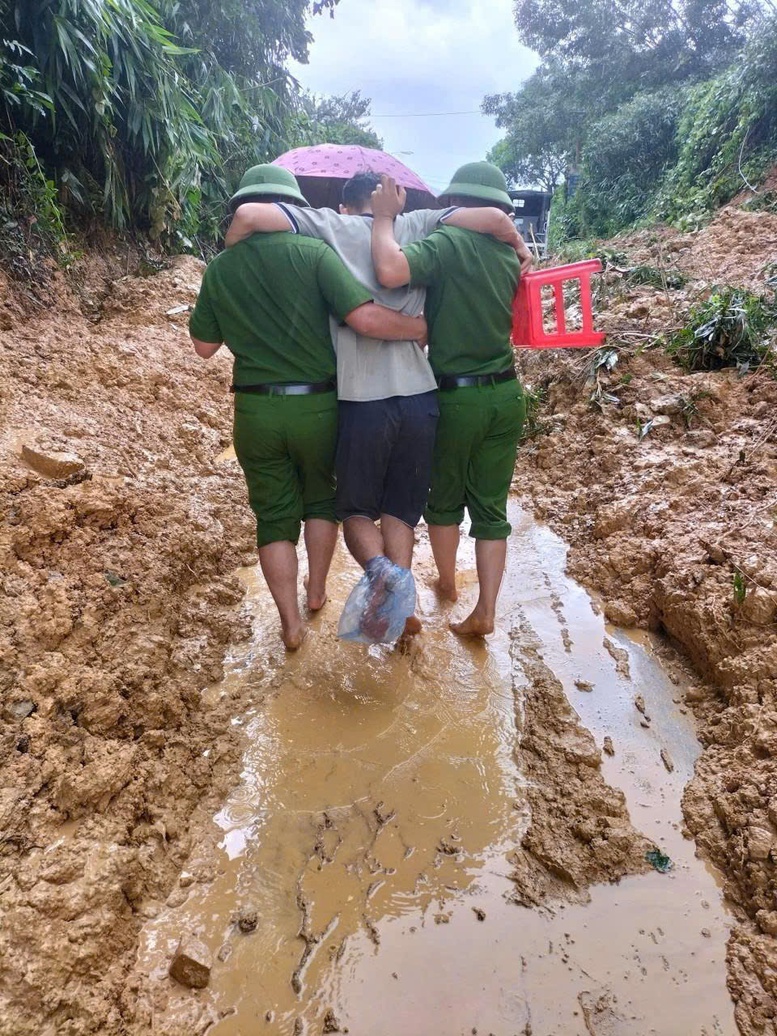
<point>146,112</point>
<point>542,130</point>
<point>122,130</point>
<point>630,95</point>
<point>650,42</point>
<point>338,120</point>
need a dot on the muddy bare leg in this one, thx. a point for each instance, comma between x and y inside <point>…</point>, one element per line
<point>363,539</point>
<point>279,565</point>
<point>491,556</point>
<point>399,540</point>
<point>445,544</point>
<point>320,541</point>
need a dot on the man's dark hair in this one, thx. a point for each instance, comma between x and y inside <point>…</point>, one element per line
<point>357,191</point>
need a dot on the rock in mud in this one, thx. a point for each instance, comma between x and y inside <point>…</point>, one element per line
<point>248,921</point>
<point>331,1024</point>
<point>620,613</point>
<point>191,963</point>
<point>20,709</point>
<point>53,464</point>
<point>608,747</point>
<point>759,843</point>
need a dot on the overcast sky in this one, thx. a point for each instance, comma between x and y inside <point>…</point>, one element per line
<point>413,57</point>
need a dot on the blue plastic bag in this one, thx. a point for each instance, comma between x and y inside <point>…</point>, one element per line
<point>379,604</point>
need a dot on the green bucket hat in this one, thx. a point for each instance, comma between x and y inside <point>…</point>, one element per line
<point>267,179</point>
<point>479,180</point>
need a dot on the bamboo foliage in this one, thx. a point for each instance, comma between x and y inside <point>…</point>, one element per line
<point>136,128</point>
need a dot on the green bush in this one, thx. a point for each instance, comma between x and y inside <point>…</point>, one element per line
<point>625,156</point>
<point>727,134</point>
<point>732,328</point>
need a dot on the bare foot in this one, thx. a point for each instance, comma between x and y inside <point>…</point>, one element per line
<point>446,591</point>
<point>292,638</point>
<point>473,626</point>
<point>412,626</point>
<point>315,601</point>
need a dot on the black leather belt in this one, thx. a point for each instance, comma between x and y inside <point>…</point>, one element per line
<point>296,388</point>
<point>450,381</point>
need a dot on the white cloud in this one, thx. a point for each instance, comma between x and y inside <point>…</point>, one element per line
<point>418,56</point>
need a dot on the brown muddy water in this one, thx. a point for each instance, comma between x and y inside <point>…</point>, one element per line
<point>380,797</point>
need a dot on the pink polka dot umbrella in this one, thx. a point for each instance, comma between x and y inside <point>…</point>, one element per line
<point>322,169</point>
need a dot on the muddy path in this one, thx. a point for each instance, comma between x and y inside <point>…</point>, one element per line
<point>423,832</point>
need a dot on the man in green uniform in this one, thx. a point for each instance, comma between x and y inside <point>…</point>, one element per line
<point>388,393</point>
<point>269,299</point>
<point>470,280</point>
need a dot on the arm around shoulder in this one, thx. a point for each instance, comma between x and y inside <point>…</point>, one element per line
<point>391,266</point>
<point>256,218</point>
<point>374,321</point>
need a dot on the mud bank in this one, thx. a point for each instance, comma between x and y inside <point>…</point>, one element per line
<point>117,601</point>
<point>677,532</point>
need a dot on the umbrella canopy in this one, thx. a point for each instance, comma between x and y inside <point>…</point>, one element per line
<point>322,169</point>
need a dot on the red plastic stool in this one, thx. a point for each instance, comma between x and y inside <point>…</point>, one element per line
<point>528,329</point>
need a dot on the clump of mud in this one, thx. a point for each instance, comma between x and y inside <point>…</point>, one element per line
<point>665,485</point>
<point>579,833</point>
<point>117,604</point>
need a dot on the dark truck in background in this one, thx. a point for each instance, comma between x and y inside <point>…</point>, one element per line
<point>532,210</point>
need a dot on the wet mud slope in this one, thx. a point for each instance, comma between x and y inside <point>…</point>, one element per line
<point>119,534</point>
<point>676,530</point>
<point>122,526</point>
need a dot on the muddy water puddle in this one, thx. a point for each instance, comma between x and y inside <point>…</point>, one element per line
<point>369,838</point>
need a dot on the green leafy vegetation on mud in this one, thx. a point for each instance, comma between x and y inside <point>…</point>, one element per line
<point>731,328</point>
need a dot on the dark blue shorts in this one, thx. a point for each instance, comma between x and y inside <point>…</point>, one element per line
<point>384,457</point>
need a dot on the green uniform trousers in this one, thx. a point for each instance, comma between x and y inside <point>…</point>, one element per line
<point>286,448</point>
<point>474,457</point>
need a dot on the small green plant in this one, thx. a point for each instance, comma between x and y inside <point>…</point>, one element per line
<point>740,589</point>
<point>533,424</point>
<point>729,329</point>
<point>689,409</point>
<point>655,277</point>
<point>766,201</point>
<point>31,220</point>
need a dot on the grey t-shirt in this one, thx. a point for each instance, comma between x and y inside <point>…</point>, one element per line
<point>367,368</point>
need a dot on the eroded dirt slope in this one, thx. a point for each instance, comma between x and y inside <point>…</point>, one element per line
<point>677,530</point>
<point>117,604</point>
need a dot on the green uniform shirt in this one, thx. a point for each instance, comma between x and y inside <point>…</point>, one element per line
<point>471,280</point>
<point>269,299</point>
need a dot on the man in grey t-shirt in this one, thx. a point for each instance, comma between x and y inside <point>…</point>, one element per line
<point>386,390</point>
